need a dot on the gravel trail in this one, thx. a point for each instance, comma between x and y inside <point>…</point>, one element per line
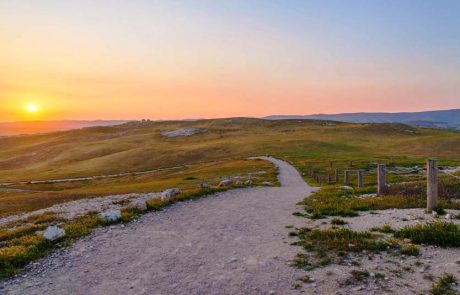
<point>233,242</point>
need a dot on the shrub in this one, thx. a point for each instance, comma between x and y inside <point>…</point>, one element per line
<point>411,250</point>
<point>439,233</point>
<point>338,221</point>
<point>444,285</point>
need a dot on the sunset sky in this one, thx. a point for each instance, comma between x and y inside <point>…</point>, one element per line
<point>91,59</point>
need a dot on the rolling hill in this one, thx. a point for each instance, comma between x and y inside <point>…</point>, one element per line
<point>432,119</point>
<point>32,127</point>
<point>138,146</point>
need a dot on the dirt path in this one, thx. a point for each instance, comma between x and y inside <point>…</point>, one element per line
<point>234,242</point>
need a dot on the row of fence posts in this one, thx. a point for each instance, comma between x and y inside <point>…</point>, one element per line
<point>432,180</point>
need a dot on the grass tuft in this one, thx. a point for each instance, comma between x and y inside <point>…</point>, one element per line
<point>444,285</point>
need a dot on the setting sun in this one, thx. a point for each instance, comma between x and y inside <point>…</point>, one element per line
<point>31,108</point>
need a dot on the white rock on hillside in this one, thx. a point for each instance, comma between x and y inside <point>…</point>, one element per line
<point>167,194</point>
<point>267,183</point>
<point>53,233</point>
<point>111,215</point>
<point>248,182</point>
<point>225,183</point>
<point>182,132</point>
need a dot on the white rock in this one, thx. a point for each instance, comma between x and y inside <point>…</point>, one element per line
<point>167,194</point>
<point>225,183</point>
<point>53,233</point>
<point>434,213</point>
<point>248,182</point>
<point>267,183</point>
<point>448,216</point>
<point>346,187</point>
<point>183,132</point>
<point>111,215</point>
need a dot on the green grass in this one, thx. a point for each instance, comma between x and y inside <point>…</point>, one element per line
<point>338,221</point>
<point>386,229</point>
<point>439,233</point>
<point>444,285</point>
<point>328,246</point>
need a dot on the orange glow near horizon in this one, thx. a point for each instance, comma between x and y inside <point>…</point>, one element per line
<point>87,60</point>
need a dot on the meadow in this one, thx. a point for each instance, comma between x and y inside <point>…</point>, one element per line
<point>216,152</point>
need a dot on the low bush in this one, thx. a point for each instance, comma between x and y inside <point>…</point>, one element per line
<point>444,285</point>
<point>338,221</point>
<point>410,250</point>
<point>439,233</point>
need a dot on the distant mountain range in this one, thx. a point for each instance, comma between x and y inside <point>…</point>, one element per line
<point>432,119</point>
<point>31,127</point>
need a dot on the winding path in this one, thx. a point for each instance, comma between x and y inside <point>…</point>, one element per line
<point>233,242</point>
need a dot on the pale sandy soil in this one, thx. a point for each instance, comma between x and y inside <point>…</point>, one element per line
<point>402,274</point>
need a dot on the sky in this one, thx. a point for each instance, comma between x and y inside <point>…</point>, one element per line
<point>101,59</point>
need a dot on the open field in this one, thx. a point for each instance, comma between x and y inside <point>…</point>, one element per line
<point>44,195</point>
<point>140,146</point>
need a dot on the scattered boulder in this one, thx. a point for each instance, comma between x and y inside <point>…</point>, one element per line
<point>248,182</point>
<point>204,185</point>
<point>267,183</point>
<point>167,194</point>
<point>53,233</point>
<point>111,215</point>
<point>434,213</point>
<point>448,216</point>
<point>225,183</point>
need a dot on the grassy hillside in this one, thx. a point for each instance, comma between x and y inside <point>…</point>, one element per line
<point>140,146</point>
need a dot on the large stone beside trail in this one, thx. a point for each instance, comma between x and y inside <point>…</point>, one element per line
<point>111,215</point>
<point>226,183</point>
<point>167,194</point>
<point>53,233</point>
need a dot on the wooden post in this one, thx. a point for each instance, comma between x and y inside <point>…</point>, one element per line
<point>346,176</point>
<point>432,185</point>
<point>336,175</point>
<point>381,179</point>
<point>360,178</point>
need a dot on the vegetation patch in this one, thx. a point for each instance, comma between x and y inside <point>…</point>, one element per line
<point>338,221</point>
<point>444,285</point>
<point>331,245</point>
<point>438,233</point>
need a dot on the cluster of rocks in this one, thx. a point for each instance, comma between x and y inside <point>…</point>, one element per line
<point>53,232</point>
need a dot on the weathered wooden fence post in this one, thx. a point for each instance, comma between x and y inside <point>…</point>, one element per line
<point>337,175</point>
<point>360,178</point>
<point>432,184</point>
<point>381,179</point>
<point>346,176</point>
